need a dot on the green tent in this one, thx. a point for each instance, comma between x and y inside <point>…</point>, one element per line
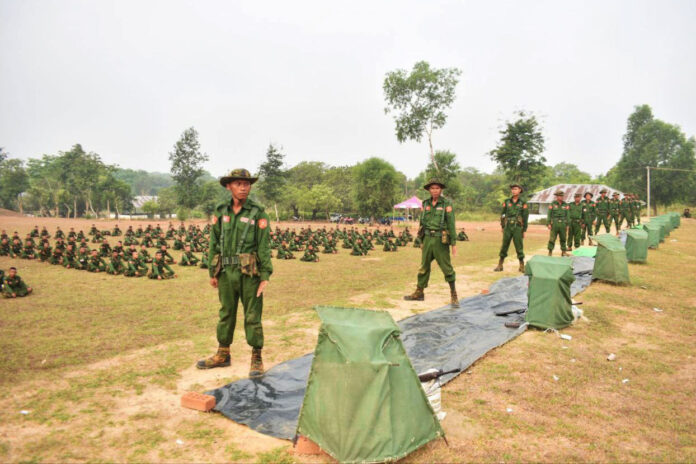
<point>364,402</point>
<point>588,251</point>
<point>653,230</point>
<point>610,262</point>
<point>676,219</point>
<point>636,246</point>
<point>548,295</point>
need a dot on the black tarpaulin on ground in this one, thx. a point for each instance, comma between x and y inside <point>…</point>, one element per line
<point>444,339</point>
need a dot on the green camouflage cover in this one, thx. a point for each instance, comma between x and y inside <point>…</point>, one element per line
<point>610,261</point>
<point>653,230</point>
<point>636,246</point>
<point>548,294</point>
<point>364,402</point>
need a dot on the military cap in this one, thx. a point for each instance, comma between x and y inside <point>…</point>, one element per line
<point>433,181</point>
<point>616,194</point>
<point>588,193</point>
<point>603,191</point>
<point>518,186</point>
<point>559,192</point>
<point>237,174</point>
<point>577,194</point>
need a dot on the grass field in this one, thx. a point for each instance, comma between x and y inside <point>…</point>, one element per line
<point>99,362</point>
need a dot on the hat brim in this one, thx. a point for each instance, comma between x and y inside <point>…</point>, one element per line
<point>226,180</point>
<point>427,186</point>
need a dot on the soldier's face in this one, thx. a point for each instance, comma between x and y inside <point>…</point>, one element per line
<point>515,191</point>
<point>12,272</point>
<point>239,189</point>
<point>435,190</point>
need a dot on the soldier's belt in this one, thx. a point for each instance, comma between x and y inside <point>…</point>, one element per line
<point>230,260</point>
<point>433,233</point>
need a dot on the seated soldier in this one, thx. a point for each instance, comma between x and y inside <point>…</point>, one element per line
<point>13,286</point>
<point>417,242</point>
<point>462,237</point>
<point>188,258</point>
<point>45,252</point>
<point>160,269</point>
<point>5,248</point>
<point>358,249</point>
<point>116,231</point>
<point>104,249</point>
<point>116,265</point>
<point>169,259</point>
<point>69,257</point>
<point>144,254</point>
<point>96,263</point>
<point>310,255</point>
<point>16,248</point>
<point>135,266</point>
<point>82,259</point>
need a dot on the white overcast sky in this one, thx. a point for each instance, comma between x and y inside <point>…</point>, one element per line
<point>124,78</point>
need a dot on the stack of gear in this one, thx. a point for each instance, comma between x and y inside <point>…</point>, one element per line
<point>636,245</point>
<point>549,302</point>
<point>653,230</point>
<point>610,261</point>
<point>364,402</point>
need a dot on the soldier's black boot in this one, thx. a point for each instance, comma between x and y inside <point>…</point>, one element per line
<point>256,369</point>
<point>219,359</point>
<point>521,268</point>
<point>418,295</point>
<point>454,299</point>
<point>499,267</point>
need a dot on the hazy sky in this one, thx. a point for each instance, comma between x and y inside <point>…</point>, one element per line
<point>125,78</point>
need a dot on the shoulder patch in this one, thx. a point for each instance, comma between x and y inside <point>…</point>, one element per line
<point>524,206</point>
<point>551,207</point>
<point>263,223</point>
<point>427,208</point>
<point>448,209</point>
<point>225,219</point>
<point>504,204</point>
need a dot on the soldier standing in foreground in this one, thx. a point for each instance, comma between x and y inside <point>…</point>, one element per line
<point>438,235</point>
<point>557,219</point>
<point>590,216</point>
<point>514,220</point>
<point>576,222</point>
<point>602,210</point>
<point>240,267</point>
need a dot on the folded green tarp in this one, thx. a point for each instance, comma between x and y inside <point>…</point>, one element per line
<point>548,295</point>
<point>364,402</point>
<point>588,251</point>
<point>653,230</point>
<point>676,220</point>
<point>636,245</point>
<point>610,261</point>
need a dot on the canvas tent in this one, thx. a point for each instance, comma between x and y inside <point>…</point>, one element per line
<point>653,230</point>
<point>636,245</point>
<point>363,401</point>
<point>412,203</point>
<point>549,303</point>
<point>610,261</point>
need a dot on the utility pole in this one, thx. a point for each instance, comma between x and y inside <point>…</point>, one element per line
<point>647,168</point>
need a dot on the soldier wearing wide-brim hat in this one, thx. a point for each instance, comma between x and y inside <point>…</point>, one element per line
<point>438,234</point>
<point>239,265</point>
<point>590,216</point>
<point>514,219</point>
<point>602,211</point>
<point>615,212</point>
<point>557,222</point>
<point>576,221</point>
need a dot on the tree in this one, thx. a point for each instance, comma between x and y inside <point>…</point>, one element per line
<point>319,198</point>
<point>341,179</point>
<point>376,186</point>
<point>447,173</point>
<point>272,177</point>
<point>651,142</point>
<point>166,201</point>
<point>150,208</point>
<point>419,99</point>
<point>13,182</point>
<point>565,173</point>
<point>519,152</point>
<point>187,166</point>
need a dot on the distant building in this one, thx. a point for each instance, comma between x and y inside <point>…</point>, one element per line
<point>540,201</point>
<point>140,200</point>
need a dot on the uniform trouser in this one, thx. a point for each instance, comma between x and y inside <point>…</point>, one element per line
<point>232,287</point>
<point>433,248</point>
<point>587,230</point>
<point>602,219</point>
<point>630,220</point>
<point>558,229</point>
<point>575,231</point>
<point>512,232</point>
<point>617,220</point>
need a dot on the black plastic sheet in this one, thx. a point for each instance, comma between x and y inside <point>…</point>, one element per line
<point>444,339</point>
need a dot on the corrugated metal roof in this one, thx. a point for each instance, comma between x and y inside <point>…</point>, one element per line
<point>140,200</point>
<point>546,195</point>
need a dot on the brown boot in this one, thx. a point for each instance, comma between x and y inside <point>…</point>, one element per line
<point>454,299</point>
<point>589,241</point>
<point>564,253</point>
<point>219,359</point>
<point>521,268</point>
<point>550,252</point>
<point>256,369</point>
<point>418,295</point>
<point>500,265</point>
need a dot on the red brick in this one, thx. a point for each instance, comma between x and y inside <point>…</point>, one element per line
<point>306,446</point>
<point>198,401</point>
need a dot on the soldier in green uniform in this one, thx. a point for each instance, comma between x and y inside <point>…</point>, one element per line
<point>160,269</point>
<point>602,210</point>
<point>615,212</point>
<point>557,222</point>
<point>13,286</point>
<point>188,258</point>
<point>116,265</point>
<point>514,220</point>
<point>576,221</point>
<point>240,267</point>
<point>462,236</point>
<point>590,216</point>
<point>45,252</point>
<point>636,207</point>
<point>135,266</point>
<point>310,255</point>
<point>5,248</point>
<point>626,210</point>
<point>96,263</point>
<point>438,232</point>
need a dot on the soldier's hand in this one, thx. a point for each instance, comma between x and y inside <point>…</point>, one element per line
<point>548,226</point>
<point>262,287</point>
<point>523,234</point>
<point>214,282</point>
<point>454,250</point>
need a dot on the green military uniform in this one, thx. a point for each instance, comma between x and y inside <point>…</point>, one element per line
<point>462,237</point>
<point>602,211</point>
<point>160,270</point>
<point>188,259</point>
<point>116,265</point>
<point>557,220</point>
<point>310,256</point>
<point>14,286</point>
<point>514,219</point>
<point>626,210</point>
<point>45,253</point>
<point>590,216</point>
<point>615,212</point>
<point>96,264</point>
<point>437,228</point>
<point>576,222</point>
<point>636,208</point>
<point>135,267</point>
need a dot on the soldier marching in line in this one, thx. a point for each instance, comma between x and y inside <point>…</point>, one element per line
<point>590,217</point>
<point>576,221</point>
<point>602,211</point>
<point>557,219</point>
<point>514,220</point>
